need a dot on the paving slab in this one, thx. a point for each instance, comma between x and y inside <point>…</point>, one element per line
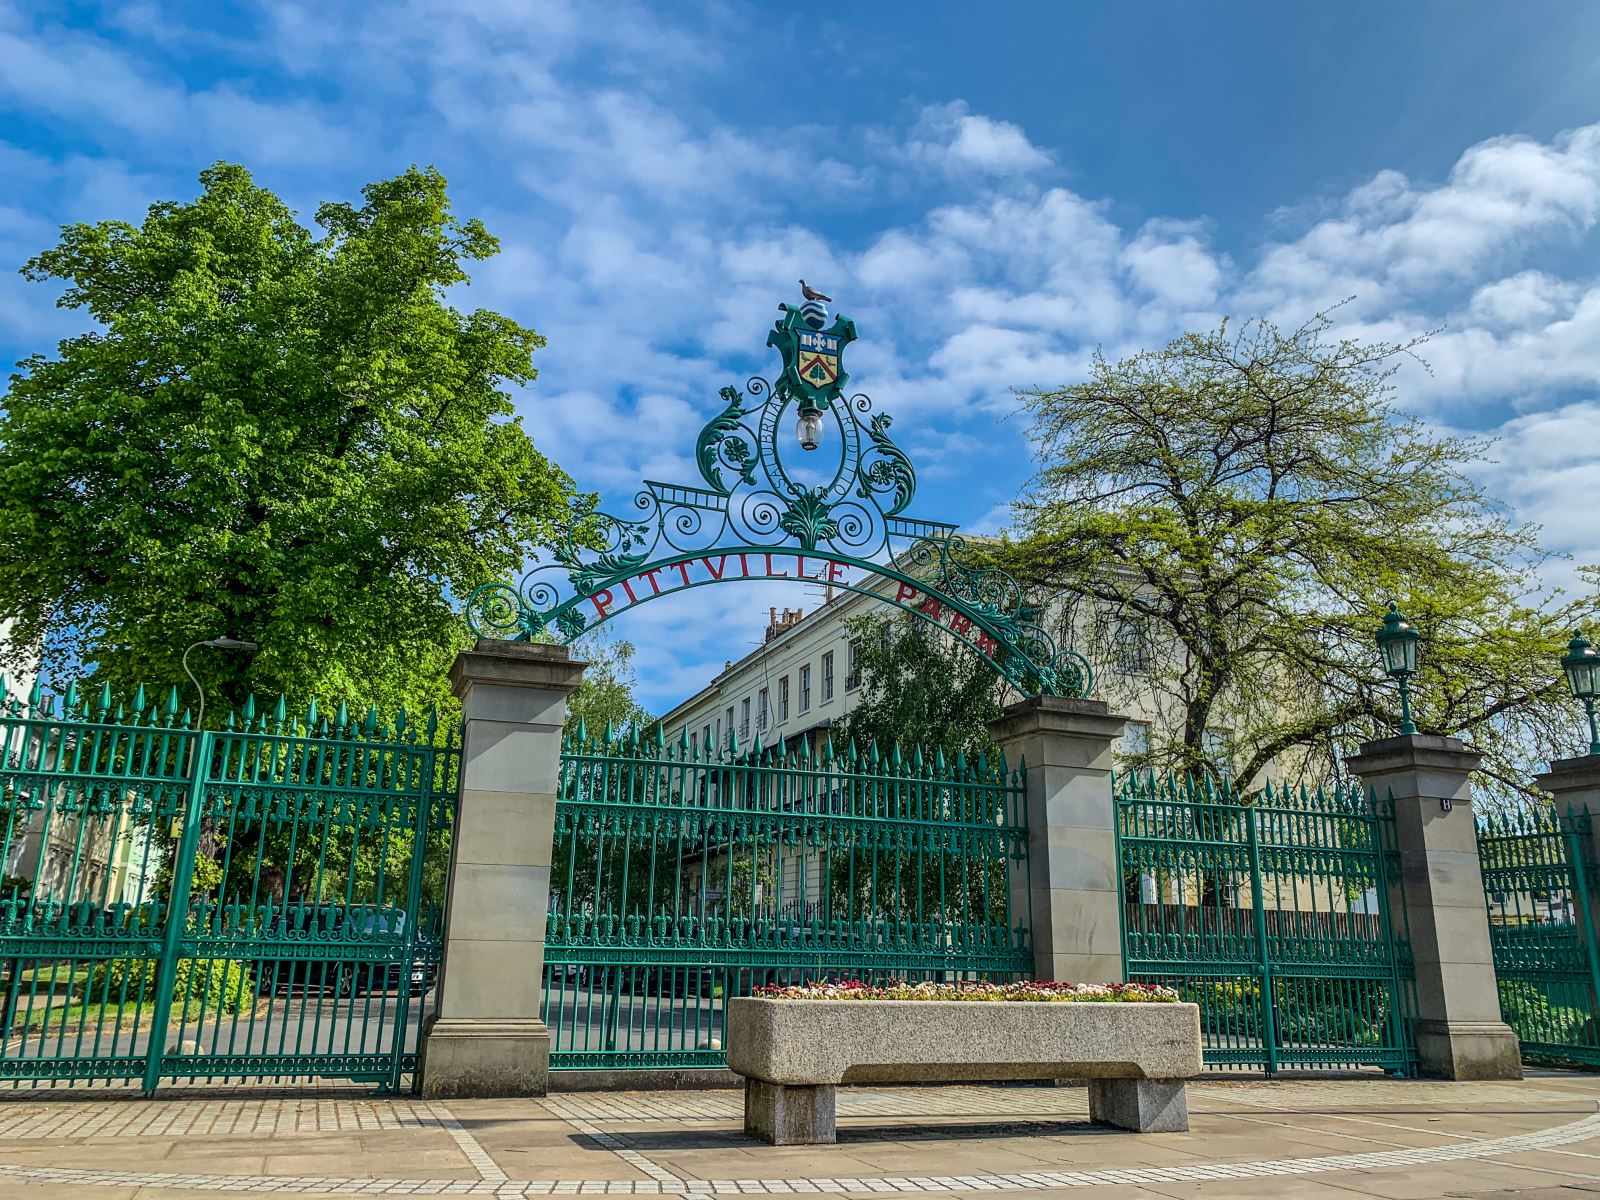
<point>1312,1138</point>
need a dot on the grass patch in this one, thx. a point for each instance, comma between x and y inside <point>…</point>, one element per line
<point>53,977</point>
<point>66,1019</point>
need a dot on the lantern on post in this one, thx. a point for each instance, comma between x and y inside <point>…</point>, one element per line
<point>1397,640</point>
<point>1581,665</point>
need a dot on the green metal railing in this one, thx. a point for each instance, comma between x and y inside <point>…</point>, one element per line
<point>256,902</point>
<point>1279,913</point>
<point>1540,885</point>
<point>687,874</point>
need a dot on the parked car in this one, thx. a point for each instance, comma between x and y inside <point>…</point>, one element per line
<point>340,933</point>
<point>423,975</point>
<point>669,980</point>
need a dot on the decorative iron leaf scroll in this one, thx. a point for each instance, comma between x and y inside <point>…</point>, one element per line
<point>748,507</point>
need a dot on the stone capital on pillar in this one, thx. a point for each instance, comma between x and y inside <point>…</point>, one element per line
<point>1575,784</point>
<point>516,665</point>
<point>1460,1034</point>
<point>1074,890</point>
<point>487,1036</point>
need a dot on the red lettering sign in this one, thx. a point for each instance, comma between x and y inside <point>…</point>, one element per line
<point>905,592</point>
<point>602,603</point>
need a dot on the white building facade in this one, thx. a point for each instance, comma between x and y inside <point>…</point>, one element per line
<point>48,848</point>
<point>805,676</point>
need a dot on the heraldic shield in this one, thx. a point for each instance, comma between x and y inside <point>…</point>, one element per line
<point>812,366</point>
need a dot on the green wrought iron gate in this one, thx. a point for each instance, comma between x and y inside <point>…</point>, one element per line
<point>1280,914</point>
<point>687,874</point>
<point>256,902</point>
<point>1539,880</point>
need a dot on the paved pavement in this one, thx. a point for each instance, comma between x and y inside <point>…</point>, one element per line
<point>1314,1138</point>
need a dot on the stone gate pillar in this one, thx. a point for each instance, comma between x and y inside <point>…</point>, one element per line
<point>1074,887</point>
<point>1459,1031</point>
<point>1575,784</point>
<point>487,1037</point>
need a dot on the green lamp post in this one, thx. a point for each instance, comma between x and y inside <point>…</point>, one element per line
<point>1397,641</point>
<point>1581,664</point>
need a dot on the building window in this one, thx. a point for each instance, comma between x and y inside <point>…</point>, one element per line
<point>827,676</point>
<point>1135,739</point>
<point>705,738</point>
<point>1217,746</point>
<point>783,699</point>
<point>744,719</point>
<point>1130,649</point>
<point>762,709</point>
<point>852,675</point>
<point>805,688</point>
<point>730,723</point>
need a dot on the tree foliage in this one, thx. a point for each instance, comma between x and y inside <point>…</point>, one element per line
<point>271,432</point>
<point>605,696</point>
<point>920,686</point>
<point>1234,510</point>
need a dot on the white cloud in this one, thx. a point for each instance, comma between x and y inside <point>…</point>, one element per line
<point>1392,238</point>
<point>952,138</point>
<point>1520,300</point>
<point>1170,260</point>
<point>111,95</point>
<point>1546,466</point>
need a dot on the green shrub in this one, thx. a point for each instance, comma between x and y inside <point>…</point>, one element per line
<point>1332,1012</point>
<point>117,981</point>
<point>215,984</point>
<point>207,984</point>
<point>1227,1006</point>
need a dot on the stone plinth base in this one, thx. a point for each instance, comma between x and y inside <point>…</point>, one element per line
<point>1142,1105</point>
<point>1468,1050</point>
<point>482,1058</point>
<point>790,1116</point>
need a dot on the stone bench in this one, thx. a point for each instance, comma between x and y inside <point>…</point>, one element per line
<point>795,1053</point>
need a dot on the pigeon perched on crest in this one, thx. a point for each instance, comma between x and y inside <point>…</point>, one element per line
<point>811,293</point>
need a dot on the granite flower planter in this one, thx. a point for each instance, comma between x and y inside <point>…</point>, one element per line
<point>795,1053</point>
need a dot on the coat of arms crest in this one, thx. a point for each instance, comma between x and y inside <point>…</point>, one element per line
<point>812,371</point>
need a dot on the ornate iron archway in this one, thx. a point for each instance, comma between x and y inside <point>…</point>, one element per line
<point>750,519</point>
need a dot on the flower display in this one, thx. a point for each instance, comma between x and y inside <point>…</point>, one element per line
<point>1036,990</point>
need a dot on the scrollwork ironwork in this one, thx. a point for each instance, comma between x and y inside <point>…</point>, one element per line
<point>748,501</point>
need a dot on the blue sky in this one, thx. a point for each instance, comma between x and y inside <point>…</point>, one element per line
<point>991,191</point>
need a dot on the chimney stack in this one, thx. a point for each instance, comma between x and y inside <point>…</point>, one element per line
<point>777,624</point>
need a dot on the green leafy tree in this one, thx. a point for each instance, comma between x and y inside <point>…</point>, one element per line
<point>605,696</point>
<point>921,687</point>
<point>273,432</point>
<point>1231,513</point>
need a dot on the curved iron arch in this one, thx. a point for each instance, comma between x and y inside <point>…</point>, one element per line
<point>747,503</point>
<point>990,633</point>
